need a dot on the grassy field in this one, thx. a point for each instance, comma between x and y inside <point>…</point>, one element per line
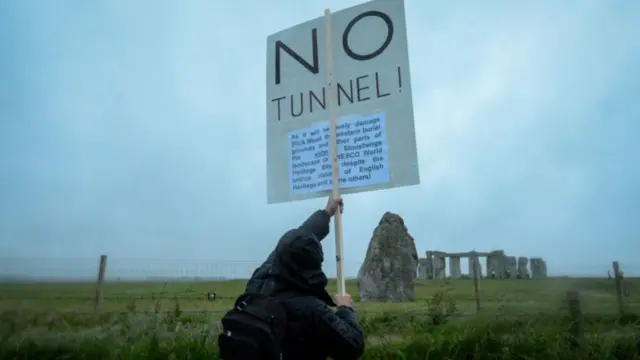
<point>519,319</point>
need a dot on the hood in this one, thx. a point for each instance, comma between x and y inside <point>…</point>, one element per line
<point>298,263</point>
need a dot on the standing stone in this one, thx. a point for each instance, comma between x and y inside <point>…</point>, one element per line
<point>429,264</point>
<point>490,265</point>
<point>501,263</point>
<point>454,265</point>
<point>523,270</point>
<point>423,268</point>
<point>388,272</point>
<point>439,267</point>
<point>538,268</point>
<point>496,261</point>
<point>512,266</point>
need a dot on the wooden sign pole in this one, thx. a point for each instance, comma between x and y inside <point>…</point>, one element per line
<point>334,149</point>
<point>618,282</point>
<point>476,280</point>
<point>102,269</point>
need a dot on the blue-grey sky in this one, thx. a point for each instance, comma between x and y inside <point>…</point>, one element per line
<point>137,129</point>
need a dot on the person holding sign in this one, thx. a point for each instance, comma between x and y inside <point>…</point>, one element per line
<point>316,225</point>
<point>292,284</point>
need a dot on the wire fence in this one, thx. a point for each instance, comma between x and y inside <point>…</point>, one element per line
<point>78,285</point>
<point>147,285</point>
<point>132,269</point>
<point>83,269</point>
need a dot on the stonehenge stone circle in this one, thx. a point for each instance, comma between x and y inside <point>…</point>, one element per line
<point>388,272</point>
<point>433,266</point>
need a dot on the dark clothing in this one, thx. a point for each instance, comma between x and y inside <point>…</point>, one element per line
<point>293,274</point>
<point>317,224</point>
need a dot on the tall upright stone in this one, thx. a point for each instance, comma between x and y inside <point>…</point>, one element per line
<point>454,265</point>
<point>388,272</point>
<point>429,264</point>
<point>501,262</point>
<point>424,267</point>
<point>523,268</point>
<point>538,268</point>
<point>496,262</point>
<point>512,266</point>
<point>439,266</point>
<point>490,267</point>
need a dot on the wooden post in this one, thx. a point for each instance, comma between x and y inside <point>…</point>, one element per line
<point>334,149</point>
<point>576,331</point>
<point>476,280</point>
<point>618,278</point>
<point>102,268</point>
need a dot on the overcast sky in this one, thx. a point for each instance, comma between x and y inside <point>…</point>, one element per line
<point>137,129</point>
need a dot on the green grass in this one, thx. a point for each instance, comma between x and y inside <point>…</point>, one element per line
<point>519,319</point>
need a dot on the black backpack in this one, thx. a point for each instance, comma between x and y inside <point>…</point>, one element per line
<point>253,329</point>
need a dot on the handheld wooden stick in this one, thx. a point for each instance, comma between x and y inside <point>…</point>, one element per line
<point>334,149</point>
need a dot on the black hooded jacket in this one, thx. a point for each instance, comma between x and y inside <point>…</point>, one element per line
<point>293,273</point>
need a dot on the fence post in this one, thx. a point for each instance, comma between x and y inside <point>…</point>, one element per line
<point>476,280</point>
<point>576,331</point>
<point>102,268</point>
<point>618,278</point>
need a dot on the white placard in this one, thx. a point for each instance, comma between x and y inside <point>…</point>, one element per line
<point>371,74</point>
